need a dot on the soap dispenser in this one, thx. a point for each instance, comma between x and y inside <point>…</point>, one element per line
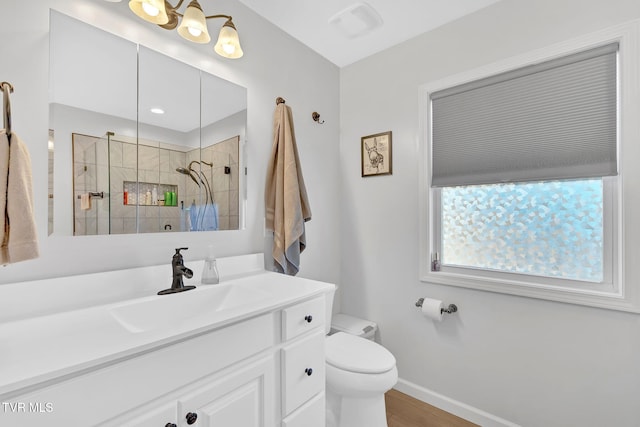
<point>210,274</point>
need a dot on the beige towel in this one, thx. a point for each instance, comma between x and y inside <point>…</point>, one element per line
<point>286,204</point>
<point>85,201</point>
<point>19,234</point>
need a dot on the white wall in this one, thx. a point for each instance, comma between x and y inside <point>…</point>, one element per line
<point>531,362</point>
<point>274,65</point>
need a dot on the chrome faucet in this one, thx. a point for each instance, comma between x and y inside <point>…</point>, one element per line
<point>179,270</point>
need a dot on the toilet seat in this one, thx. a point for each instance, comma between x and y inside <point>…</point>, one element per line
<point>355,354</point>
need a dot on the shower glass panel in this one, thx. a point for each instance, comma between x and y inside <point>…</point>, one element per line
<point>224,180</point>
<point>145,188</point>
<point>160,187</point>
<point>210,179</point>
<point>123,161</point>
<point>91,206</point>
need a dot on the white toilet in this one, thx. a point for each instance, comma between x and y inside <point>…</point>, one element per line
<point>358,373</point>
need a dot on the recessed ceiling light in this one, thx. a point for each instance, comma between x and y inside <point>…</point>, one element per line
<point>356,20</point>
<point>157,110</point>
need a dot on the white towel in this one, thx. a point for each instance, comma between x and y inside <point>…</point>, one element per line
<point>19,233</point>
<point>85,201</point>
<point>286,204</point>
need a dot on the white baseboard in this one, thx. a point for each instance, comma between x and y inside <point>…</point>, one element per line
<point>452,406</point>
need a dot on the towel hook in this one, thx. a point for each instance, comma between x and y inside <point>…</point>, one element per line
<point>7,88</point>
<point>316,117</point>
<point>280,100</point>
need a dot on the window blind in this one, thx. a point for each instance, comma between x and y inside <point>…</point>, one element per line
<point>552,120</point>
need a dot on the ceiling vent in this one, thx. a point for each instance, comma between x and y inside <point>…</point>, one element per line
<point>356,20</point>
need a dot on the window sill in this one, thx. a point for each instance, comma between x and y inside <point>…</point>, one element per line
<point>591,298</point>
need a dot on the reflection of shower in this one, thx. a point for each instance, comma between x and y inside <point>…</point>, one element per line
<point>203,176</point>
<point>188,172</point>
<point>201,180</point>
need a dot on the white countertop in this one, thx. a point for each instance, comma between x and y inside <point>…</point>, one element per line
<point>49,347</point>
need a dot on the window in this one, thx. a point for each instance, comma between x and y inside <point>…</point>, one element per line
<point>522,174</point>
<point>550,229</point>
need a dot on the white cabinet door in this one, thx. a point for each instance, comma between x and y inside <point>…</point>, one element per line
<point>161,416</point>
<point>241,398</point>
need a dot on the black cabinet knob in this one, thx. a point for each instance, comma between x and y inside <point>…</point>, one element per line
<point>308,371</point>
<point>191,417</point>
<point>308,318</point>
<point>170,425</point>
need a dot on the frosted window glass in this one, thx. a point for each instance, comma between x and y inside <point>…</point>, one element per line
<point>552,229</point>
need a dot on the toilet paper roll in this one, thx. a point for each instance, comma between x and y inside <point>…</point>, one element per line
<point>432,309</point>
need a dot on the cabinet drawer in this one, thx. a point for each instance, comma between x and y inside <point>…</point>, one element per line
<point>302,318</point>
<point>311,414</point>
<point>303,370</point>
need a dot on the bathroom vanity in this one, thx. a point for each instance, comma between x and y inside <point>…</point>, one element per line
<point>247,352</point>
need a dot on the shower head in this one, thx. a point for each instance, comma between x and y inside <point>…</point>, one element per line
<point>186,171</point>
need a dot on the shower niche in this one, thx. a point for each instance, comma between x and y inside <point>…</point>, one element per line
<point>149,194</point>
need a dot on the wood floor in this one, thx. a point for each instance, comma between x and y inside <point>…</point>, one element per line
<point>405,411</point>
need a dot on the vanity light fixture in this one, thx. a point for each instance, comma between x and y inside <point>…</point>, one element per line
<point>193,26</point>
<point>157,110</point>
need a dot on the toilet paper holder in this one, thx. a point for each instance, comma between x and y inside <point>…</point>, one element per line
<point>452,308</point>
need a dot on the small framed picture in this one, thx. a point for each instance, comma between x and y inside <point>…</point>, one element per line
<point>376,154</point>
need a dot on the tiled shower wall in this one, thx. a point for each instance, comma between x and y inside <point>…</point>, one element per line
<point>92,156</point>
<point>90,173</point>
<point>155,166</point>
<point>225,187</point>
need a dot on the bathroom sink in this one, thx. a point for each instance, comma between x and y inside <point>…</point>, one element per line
<point>165,311</point>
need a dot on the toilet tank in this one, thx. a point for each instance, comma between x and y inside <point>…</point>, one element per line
<point>354,326</point>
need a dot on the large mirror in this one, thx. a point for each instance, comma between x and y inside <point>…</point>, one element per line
<point>143,143</point>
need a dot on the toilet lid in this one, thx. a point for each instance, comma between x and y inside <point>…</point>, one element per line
<point>355,354</point>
